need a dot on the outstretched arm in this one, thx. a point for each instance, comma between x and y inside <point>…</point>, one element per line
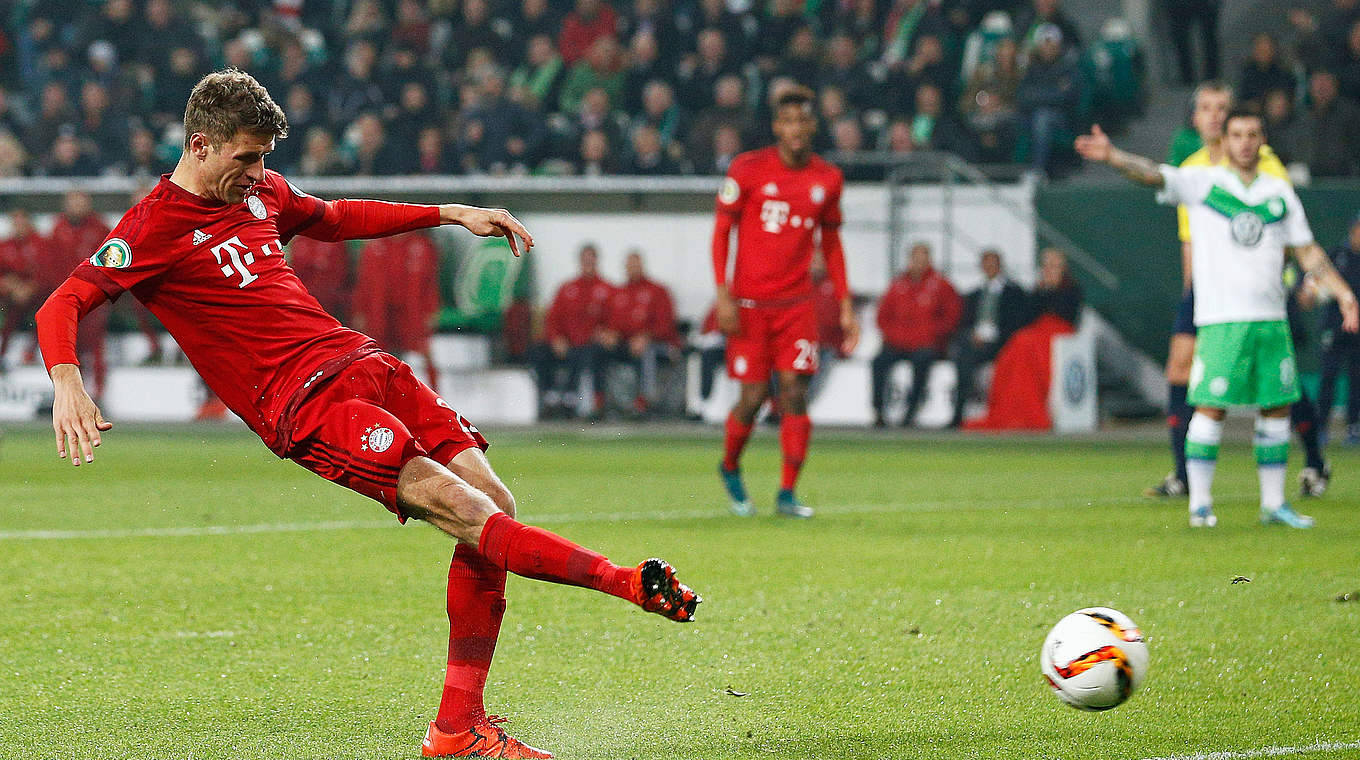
<point>76,420</point>
<point>1097,147</point>
<point>1315,262</point>
<point>348,219</point>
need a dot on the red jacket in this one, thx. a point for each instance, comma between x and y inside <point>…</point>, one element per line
<point>919,313</point>
<point>397,291</point>
<point>580,308</point>
<point>24,257</point>
<point>828,305</point>
<point>578,33</point>
<point>323,266</point>
<point>72,243</point>
<point>644,308</point>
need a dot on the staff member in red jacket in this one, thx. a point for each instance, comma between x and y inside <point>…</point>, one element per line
<point>324,267</point>
<point>21,276</point>
<point>396,295</point>
<point>78,231</point>
<point>572,333</point>
<point>641,329</point>
<point>917,316</point>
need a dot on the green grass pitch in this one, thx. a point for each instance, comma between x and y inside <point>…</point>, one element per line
<point>904,621</point>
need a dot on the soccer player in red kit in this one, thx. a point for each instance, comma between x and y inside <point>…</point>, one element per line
<point>204,251</point>
<point>78,229</point>
<point>778,199</point>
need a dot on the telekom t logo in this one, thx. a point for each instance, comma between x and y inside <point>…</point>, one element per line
<point>233,256</point>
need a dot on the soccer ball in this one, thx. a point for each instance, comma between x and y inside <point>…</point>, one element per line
<point>1094,658</point>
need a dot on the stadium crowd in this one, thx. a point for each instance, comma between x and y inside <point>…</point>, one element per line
<point>645,87</point>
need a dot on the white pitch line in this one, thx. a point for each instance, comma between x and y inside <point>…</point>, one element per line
<point>1265,752</point>
<point>711,513</point>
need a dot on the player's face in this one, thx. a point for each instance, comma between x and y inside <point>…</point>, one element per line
<point>230,169</point>
<point>794,127</point>
<point>1242,140</point>
<point>1211,109</point>
<point>991,265</point>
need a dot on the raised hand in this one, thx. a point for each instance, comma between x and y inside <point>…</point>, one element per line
<point>488,222</point>
<point>1095,146</point>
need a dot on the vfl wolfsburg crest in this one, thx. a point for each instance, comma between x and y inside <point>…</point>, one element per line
<point>1247,228</point>
<point>115,254</point>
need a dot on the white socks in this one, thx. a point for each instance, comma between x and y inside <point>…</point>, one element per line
<point>1201,456</point>
<point>1271,444</point>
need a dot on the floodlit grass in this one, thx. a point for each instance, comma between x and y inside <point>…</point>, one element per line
<point>903,622</point>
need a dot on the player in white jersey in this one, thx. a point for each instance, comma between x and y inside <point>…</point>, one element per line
<point>1243,223</point>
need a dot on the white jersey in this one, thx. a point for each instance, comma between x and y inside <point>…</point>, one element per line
<point>1240,234</point>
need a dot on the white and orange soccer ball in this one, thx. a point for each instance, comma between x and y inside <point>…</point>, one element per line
<point>1094,658</point>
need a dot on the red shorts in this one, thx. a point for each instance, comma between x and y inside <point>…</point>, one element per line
<point>781,338</point>
<point>369,420</point>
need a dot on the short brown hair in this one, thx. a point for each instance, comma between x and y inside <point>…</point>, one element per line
<point>229,101</point>
<point>797,95</point>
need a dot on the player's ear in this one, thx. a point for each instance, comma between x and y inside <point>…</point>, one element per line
<point>198,145</point>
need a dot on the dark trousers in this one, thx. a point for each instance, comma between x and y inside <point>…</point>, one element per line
<point>1341,355</point>
<point>1181,15</point>
<point>968,359</point>
<point>711,360</point>
<point>920,358</point>
<point>562,375</point>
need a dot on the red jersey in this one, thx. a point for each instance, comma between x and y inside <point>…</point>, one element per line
<point>72,243</point>
<point>644,308</point>
<point>397,292</point>
<point>919,312</point>
<point>324,268</point>
<point>580,308</point>
<point>215,276</point>
<point>777,211</point>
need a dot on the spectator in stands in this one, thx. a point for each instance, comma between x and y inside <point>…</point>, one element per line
<point>103,126</point>
<point>726,146</point>
<point>644,66</point>
<point>1336,24</point>
<point>13,159</point>
<point>1340,349</point>
<point>1048,96</point>
<point>597,112</point>
<point>161,26</point>
<point>652,19</point>
<point>324,267</point>
<point>55,110</point>
<point>1261,72</point>
<point>365,21</point>
<point>847,139</point>
<point>77,234</point>
<point>1019,396</point>
<point>1040,13</point>
<point>21,276</point>
<point>801,59</point>
<point>988,104</point>
<point>980,49</point>
<point>647,158</point>
<point>531,18</point>
<point>476,27</point>
<point>1115,71</point>
<point>905,24</point>
<point>596,156</point>
<point>67,157</point>
<point>660,111</point>
<point>1325,133</point>
<point>512,135</point>
<point>601,68</point>
<point>843,70</point>
<point>991,314</point>
<point>897,138</point>
<point>356,89</point>
<point>536,83</point>
<point>698,73</point>
<point>1348,65</point>
<point>917,316</point>
<point>831,108</point>
<point>640,330</point>
<point>319,155</point>
<point>412,28</point>
<point>927,66</point>
<point>432,155</point>
<point>728,110</point>
<point>572,331</point>
<point>396,295</point>
<point>782,22</point>
<point>183,71</point>
<point>371,152</point>
<point>116,23</point>
<point>740,30</point>
<point>588,22</point>
<point>934,128</point>
<point>1278,117</point>
<point>1181,15</point>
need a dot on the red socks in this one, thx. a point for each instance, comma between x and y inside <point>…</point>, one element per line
<point>476,603</point>
<point>536,553</point>
<point>794,432</point>
<point>737,435</point>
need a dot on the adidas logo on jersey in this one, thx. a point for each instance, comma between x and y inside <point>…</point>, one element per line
<point>200,237</point>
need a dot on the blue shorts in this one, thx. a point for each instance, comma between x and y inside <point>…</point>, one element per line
<point>1185,315</point>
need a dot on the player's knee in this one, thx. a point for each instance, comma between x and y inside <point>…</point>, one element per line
<point>501,497</point>
<point>793,403</point>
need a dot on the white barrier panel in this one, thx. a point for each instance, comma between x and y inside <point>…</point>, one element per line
<point>1072,387</point>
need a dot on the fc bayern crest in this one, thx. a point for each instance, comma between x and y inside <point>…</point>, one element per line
<point>376,439</point>
<point>818,193</point>
<point>256,206</point>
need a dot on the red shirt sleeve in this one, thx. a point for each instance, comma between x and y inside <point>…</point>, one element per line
<point>727,214</point>
<point>58,318</point>
<point>345,219</point>
<point>134,253</point>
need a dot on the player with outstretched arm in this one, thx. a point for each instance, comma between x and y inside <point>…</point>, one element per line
<point>1243,223</point>
<point>777,199</point>
<point>204,251</point>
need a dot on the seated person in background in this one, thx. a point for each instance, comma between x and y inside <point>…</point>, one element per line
<point>571,339</point>
<point>991,314</point>
<point>641,329</point>
<point>1019,396</point>
<point>917,317</point>
<point>396,295</point>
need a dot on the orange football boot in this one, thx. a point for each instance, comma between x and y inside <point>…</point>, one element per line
<point>485,739</point>
<point>656,589</point>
